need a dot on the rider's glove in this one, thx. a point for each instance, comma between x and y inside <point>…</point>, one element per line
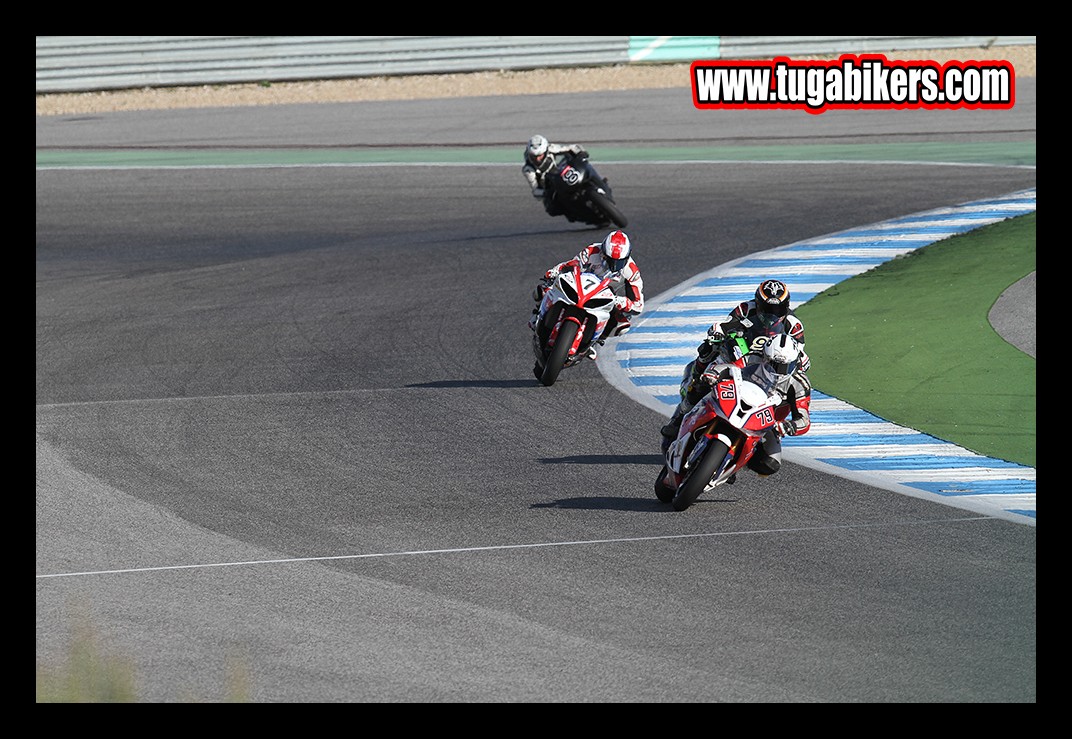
<point>708,350</point>
<point>537,294</point>
<point>787,428</point>
<point>551,273</point>
<point>537,192</point>
<point>712,374</point>
<point>621,302</point>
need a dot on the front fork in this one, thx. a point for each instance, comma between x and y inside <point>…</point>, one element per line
<point>582,318</point>
<point>679,463</point>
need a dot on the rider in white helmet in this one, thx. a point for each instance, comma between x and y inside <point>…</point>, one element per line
<point>539,159</point>
<point>766,315</point>
<point>612,255</point>
<point>780,372</point>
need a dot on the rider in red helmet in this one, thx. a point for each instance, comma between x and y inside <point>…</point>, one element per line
<point>611,256</point>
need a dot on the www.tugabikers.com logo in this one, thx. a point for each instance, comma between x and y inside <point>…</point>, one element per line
<point>865,81</point>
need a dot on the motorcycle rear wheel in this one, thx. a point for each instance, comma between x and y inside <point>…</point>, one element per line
<point>556,360</point>
<point>610,210</point>
<point>699,476</point>
<point>662,492</point>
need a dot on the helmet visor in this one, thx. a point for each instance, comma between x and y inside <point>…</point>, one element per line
<point>784,368</point>
<point>772,324</point>
<point>780,309</point>
<point>615,265</point>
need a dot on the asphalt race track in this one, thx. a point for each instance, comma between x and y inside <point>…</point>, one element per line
<point>287,428</point>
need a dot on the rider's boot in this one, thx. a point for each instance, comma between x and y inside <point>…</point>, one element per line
<point>764,464</point>
<point>601,341</point>
<point>695,391</point>
<point>674,425</point>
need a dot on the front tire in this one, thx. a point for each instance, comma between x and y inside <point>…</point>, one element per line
<point>605,204</point>
<point>556,360</point>
<point>700,475</point>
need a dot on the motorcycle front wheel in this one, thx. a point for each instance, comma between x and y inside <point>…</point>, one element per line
<point>610,210</point>
<point>699,476</point>
<point>556,360</point>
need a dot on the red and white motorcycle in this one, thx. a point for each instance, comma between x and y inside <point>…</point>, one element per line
<point>716,439</point>
<point>573,312</point>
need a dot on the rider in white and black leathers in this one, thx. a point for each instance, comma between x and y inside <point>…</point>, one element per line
<point>778,371</point>
<point>611,256</point>
<point>767,314</point>
<point>540,158</point>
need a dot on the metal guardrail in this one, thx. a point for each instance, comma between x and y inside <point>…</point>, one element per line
<point>96,63</point>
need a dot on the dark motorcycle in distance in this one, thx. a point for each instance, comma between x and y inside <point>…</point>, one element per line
<point>581,193</point>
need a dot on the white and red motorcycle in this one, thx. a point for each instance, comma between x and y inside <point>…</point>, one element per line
<point>716,438</point>
<point>573,312</point>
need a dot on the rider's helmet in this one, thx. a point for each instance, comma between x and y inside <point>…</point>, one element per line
<point>772,302</point>
<point>537,149</point>
<point>782,353</point>
<point>615,250</point>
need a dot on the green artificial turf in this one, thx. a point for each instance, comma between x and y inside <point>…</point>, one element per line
<point>910,341</point>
